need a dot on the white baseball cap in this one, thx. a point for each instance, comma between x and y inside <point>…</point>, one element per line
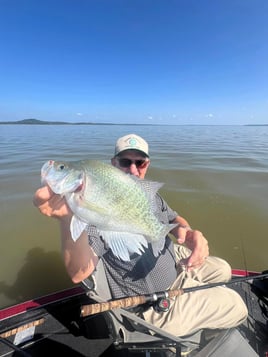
<point>131,142</point>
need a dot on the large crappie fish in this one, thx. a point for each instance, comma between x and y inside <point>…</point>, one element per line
<point>121,206</point>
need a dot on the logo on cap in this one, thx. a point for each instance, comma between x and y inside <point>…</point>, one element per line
<point>132,142</point>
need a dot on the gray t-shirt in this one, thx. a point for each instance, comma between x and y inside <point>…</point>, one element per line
<point>143,274</point>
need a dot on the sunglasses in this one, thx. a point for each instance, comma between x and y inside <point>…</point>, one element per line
<point>127,163</point>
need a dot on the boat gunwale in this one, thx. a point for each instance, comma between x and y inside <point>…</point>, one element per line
<point>40,302</point>
<point>57,296</point>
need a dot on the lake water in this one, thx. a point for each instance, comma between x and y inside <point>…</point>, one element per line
<point>215,176</point>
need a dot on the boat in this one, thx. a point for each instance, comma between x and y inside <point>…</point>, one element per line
<point>55,324</point>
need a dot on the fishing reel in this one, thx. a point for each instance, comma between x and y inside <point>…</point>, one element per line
<point>161,305</point>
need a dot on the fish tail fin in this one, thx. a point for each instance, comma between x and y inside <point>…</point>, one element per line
<point>159,243</point>
<point>166,229</point>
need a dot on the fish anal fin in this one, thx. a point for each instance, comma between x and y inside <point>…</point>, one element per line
<point>123,244</point>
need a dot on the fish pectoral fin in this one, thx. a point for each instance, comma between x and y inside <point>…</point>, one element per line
<point>123,244</point>
<point>77,227</point>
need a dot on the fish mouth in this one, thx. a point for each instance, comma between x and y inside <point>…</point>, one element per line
<point>45,170</point>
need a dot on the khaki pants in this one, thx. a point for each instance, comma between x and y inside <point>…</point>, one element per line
<point>213,308</point>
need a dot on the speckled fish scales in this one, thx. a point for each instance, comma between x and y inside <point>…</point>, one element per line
<point>121,206</point>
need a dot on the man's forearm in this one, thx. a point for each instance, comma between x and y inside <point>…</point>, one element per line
<point>79,258</point>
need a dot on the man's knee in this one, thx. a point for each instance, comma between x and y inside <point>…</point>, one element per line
<point>224,269</point>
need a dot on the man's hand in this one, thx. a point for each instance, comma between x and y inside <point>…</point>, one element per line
<point>197,243</point>
<point>50,204</point>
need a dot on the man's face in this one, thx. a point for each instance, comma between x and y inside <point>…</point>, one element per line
<point>132,162</point>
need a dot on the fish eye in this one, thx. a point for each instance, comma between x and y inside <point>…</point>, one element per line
<point>62,167</point>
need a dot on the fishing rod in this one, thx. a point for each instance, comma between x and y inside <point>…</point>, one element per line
<point>132,301</point>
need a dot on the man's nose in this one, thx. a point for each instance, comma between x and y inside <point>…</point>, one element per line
<point>133,169</point>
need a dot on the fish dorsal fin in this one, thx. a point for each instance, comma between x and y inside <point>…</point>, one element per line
<point>77,227</point>
<point>148,186</point>
<point>150,189</point>
<point>123,244</point>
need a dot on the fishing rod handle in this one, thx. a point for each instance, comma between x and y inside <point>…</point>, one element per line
<point>114,304</point>
<point>131,301</point>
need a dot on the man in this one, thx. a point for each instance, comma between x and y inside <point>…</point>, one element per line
<point>182,265</point>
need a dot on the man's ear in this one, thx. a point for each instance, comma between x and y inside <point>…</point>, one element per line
<point>113,161</point>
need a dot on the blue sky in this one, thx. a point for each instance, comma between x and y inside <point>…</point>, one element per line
<point>134,61</point>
